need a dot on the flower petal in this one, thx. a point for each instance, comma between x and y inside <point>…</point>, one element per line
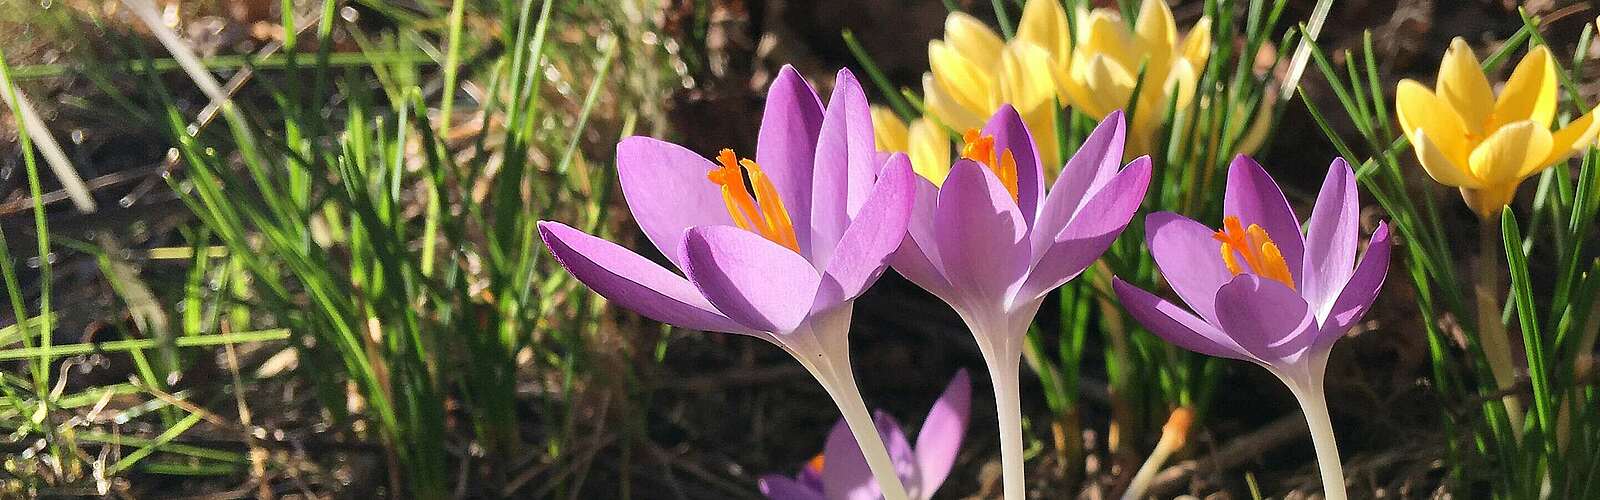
<point>939,440</point>
<point>970,83</point>
<point>1360,291</point>
<point>1011,134</point>
<point>1331,238</point>
<point>918,256</point>
<point>1197,44</point>
<point>1439,165</point>
<point>1573,139</point>
<point>1254,197</point>
<point>943,104</point>
<point>666,189</point>
<point>1157,30</point>
<point>1086,237</point>
<point>981,236</point>
<point>1189,258</point>
<point>777,487</point>
<point>1463,85</point>
<point>846,169</point>
<point>787,143</point>
<point>1173,324</point>
<point>1418,108</point>
<point>1025,80</point>
<point>971,38</point>
<point>875,233</point>
<point>929,150</point>
<point>1515,148</point>
<point>633,282</point>
<point>890,134</point>
<point>845,473</point>
<point>1095,162</point>
<point>1045,24</point>
<point>1530,93</point>
<point>1266,318</point>
<point>758,283</point>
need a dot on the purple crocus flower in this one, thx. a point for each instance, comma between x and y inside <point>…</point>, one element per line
<point>1261,291</point>
<point>841,472</point>
<point>777,248</point>
<point>991,242</point>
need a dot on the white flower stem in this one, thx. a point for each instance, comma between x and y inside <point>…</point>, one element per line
<point>1315,405</point>
<point>1004,360</point>
<point>823,348</point>
<point>848,398</point>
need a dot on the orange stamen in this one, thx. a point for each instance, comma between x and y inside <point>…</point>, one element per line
<point>980,148</point>
<point>760,212</point>
<point>815,464</point>
<point>1256,248</point>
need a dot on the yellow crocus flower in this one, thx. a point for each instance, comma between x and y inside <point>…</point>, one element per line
<point>924,141</point>
<point>973,71</point>
<point>1468,137</point>
<point>1104,68</point>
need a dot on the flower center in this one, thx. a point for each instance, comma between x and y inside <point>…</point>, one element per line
<point>1256,249</point>
<point>760,212</point>
<point>980,148</point>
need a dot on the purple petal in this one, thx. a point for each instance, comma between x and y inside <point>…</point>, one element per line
<point>1254,197</point>
<point>777,487</point>
<point>1189,258</point>
<point>1266,318</point>
<point>633,282</point>
<point>1092,166</point>
<point>900,453</point>
<point>939,440</point>
<point>845,473</point>
<point>918,258</point>
<point>1173,324</point>
<point>1357,296</point>
<point>666,189</point>
<point>1086,237</point>
<point>756,282</point>
<point>982,238</point>
<point>786,147</point>
<point>1331,238</point>
<point>874,234</point>
<point>1010,133</point>
<point>845,165</point>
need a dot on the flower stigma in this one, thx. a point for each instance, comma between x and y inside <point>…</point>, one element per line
<point>1256,248</point>
<point>980,148</point>
<point>760,212</point>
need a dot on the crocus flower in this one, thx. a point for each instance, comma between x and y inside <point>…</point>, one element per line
<point>1105,64</point>
<point>1261,291</point>
<point>1468,137</point>
<point>840,472</point>
<point>972,71</point>
<point>923,140</point>
<point>777,248</point>
<point>991,242</point>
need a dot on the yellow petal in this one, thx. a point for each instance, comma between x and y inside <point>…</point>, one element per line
<point>1197,45</point>
<point>968,83</point>
<point>1044,23</point>
<point>1025,79</point>
<point>1107,37</point>
<point>1111,83</point>
<point>1157,29</point>
<point>1076,88</point>
<point>1488,200</point>
<point>889,133</point>
<point>1530,93</point>
<point>1463,85</point>
<point>929,150</point>
<point>1438,165</point>
<point>945,106</point>
<point>1573,139</point>
<point>973,39</point>
<point>1513,149</point>
<point>1419,108</point>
